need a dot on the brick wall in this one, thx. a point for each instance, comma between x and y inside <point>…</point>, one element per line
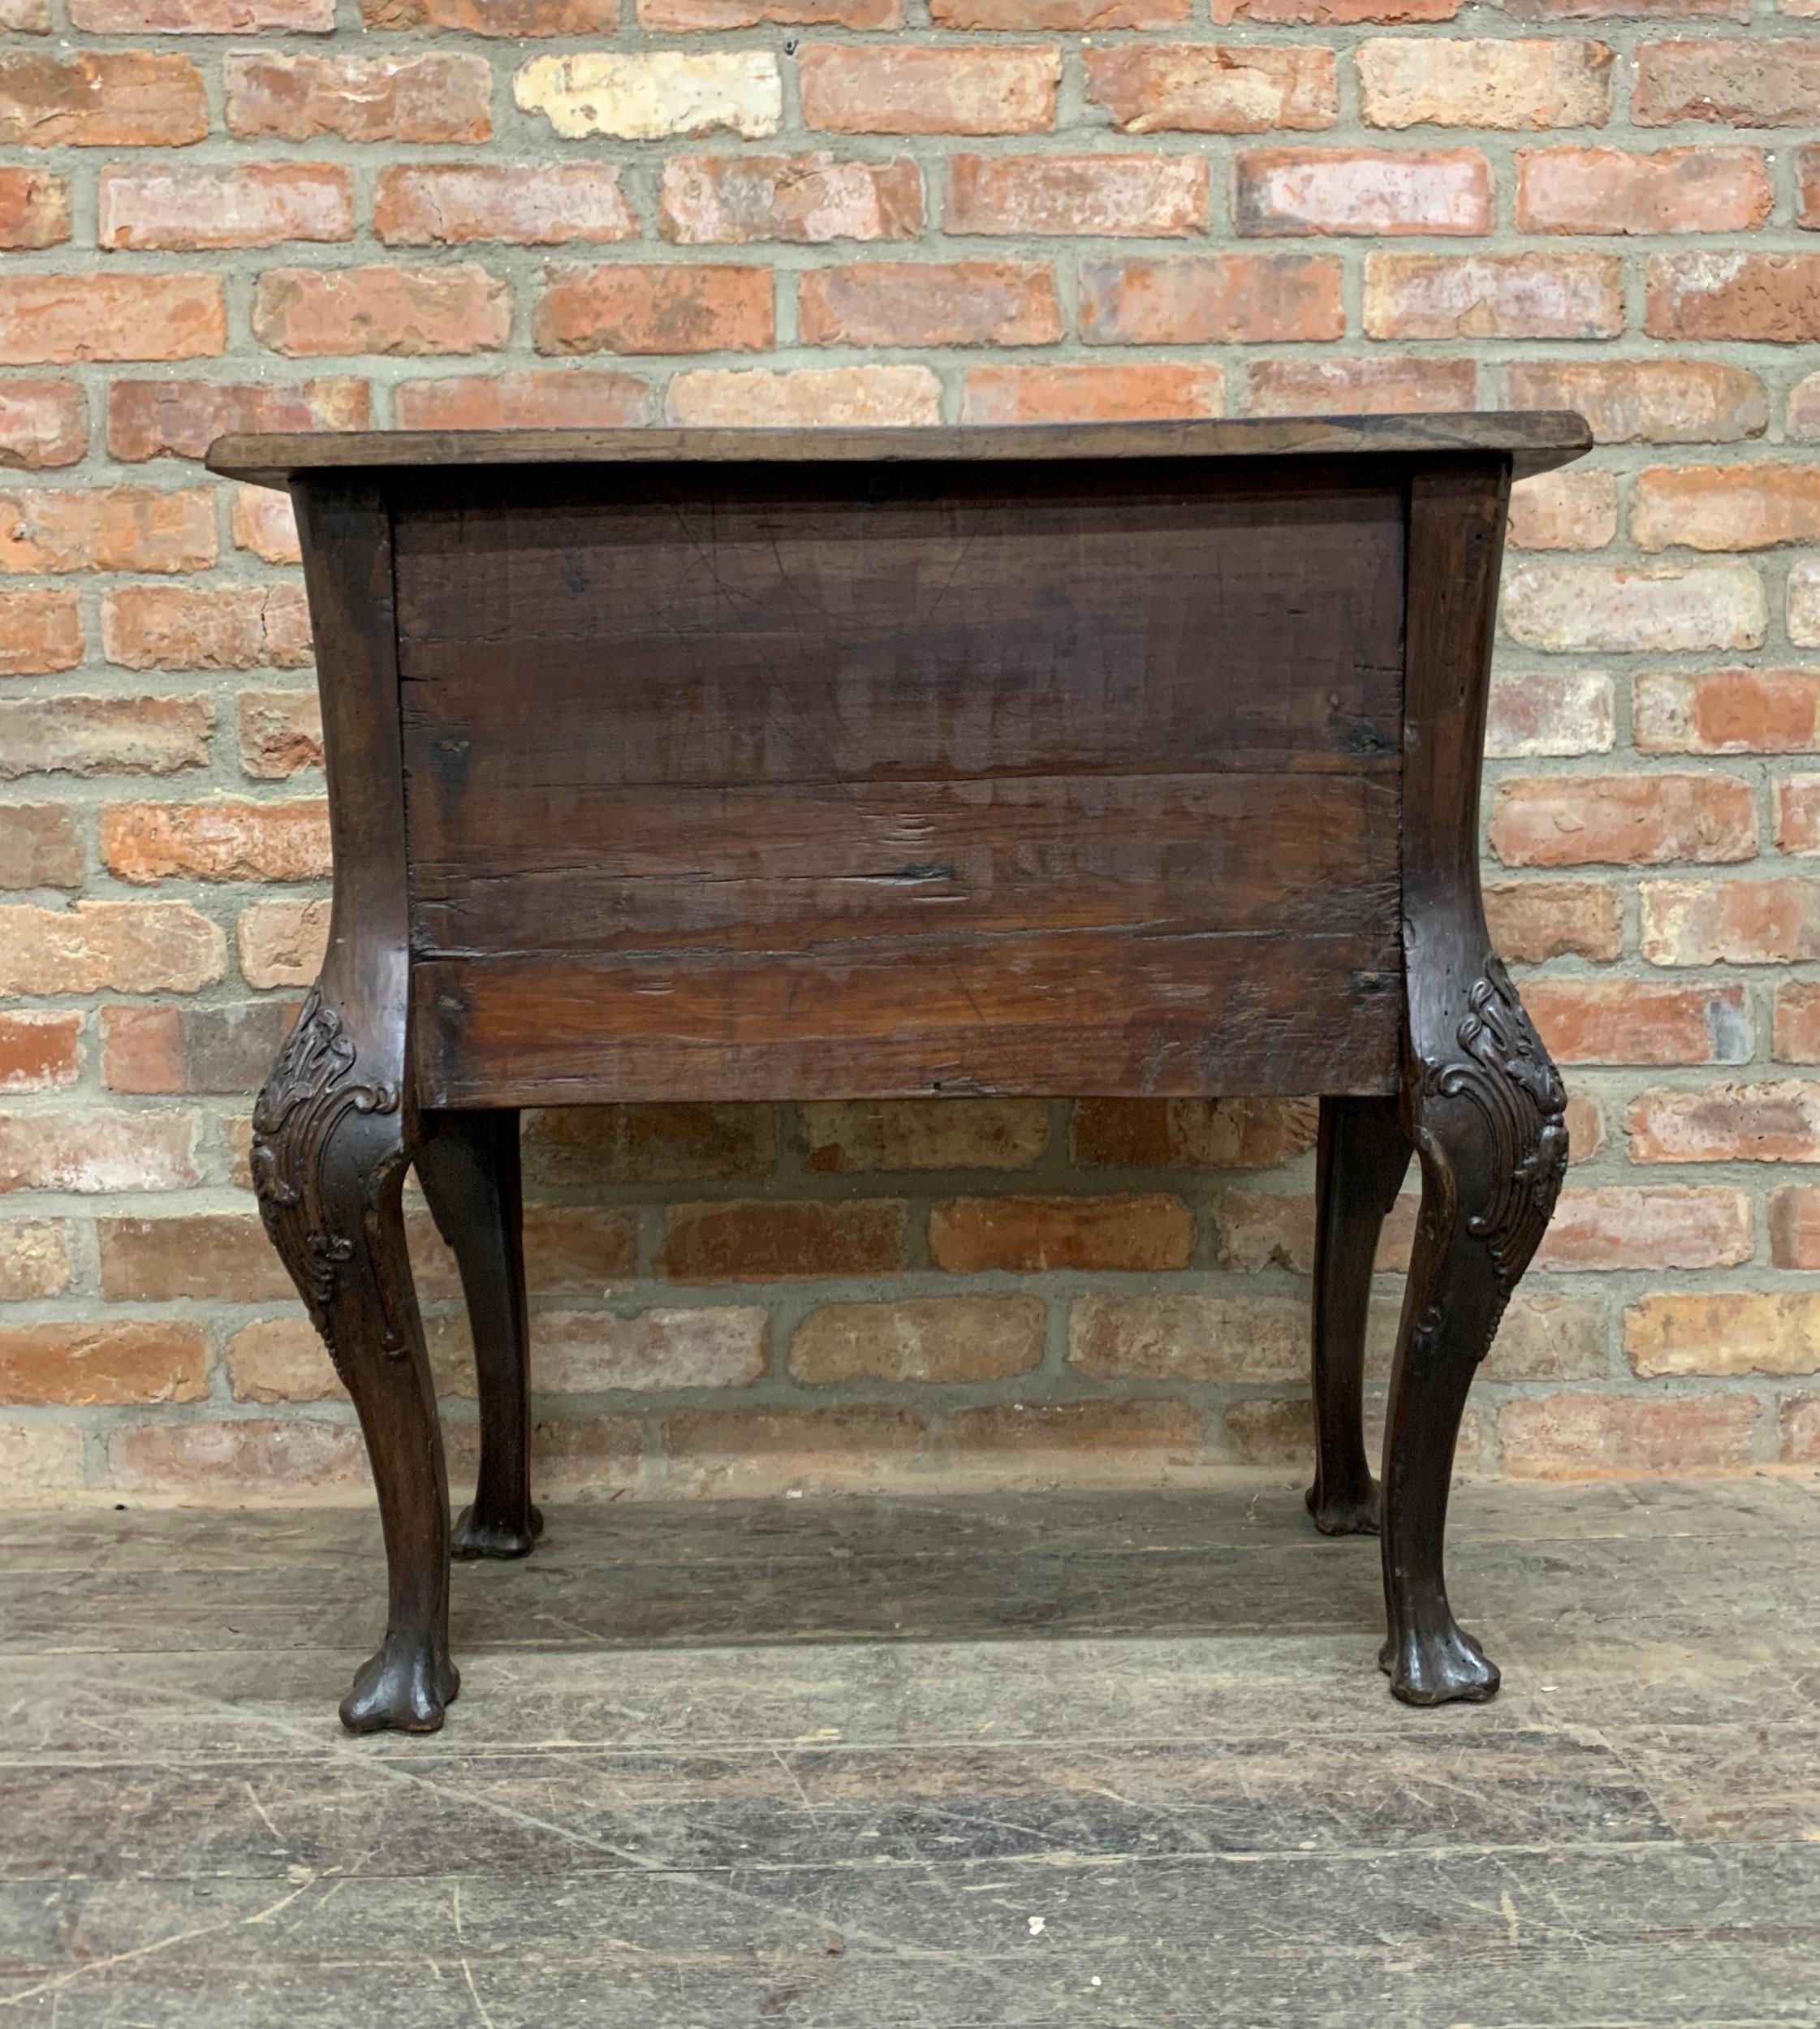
<point>246,213</point>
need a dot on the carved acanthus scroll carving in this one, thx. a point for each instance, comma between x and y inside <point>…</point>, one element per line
<point>311,1090</point>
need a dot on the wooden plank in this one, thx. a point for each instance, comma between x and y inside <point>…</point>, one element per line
<point>1536,439</point>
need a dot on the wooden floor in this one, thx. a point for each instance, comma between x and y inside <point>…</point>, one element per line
<point>1119,1760</point>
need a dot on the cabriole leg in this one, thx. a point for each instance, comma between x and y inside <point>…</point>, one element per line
<point>1363,1154</point>
<point>470,1170</point>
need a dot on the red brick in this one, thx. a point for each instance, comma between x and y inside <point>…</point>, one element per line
<point>452,203</point>
<point>1503,296</point>
<point>223,1256</point>
<point>1583,1437</point>
<point>84,1365</point>
<point>276,1359</point>
<point>43,424</point>
<point>180,419</point>
<point>1629,9</point>
<point>576,398</point>
<point>1483,81</point>
<point>1604,190</point>
<point>1029,1235</point>
<point>929,302</point>
<point>1533,921</point>
<point>281,943</point>
<point>1664,1226</point>
<point>308,312</point>
<point>803,200</point>
<point>1245,1339</point>
<point>1181,88</point>
<point>1797,1023</point>
<point>761,1450</point>
<point>514,19</point>
<point>584,1147</point>
<point>432,98</point>
<point>26,17</point>
<point>1724,1332</point>
<point>1549,712</point>
<point>40,846</point>
<point>1242,299</point>
<point>202,17</point>
<point>671,308</point>
<point>1572,608</point>
<point>1731,922</point>
<point>684,17</point>
<point>1078,17</point>
<point>34,209</point>
<point>96,1154</point>
<point>1804,408</point>
<point>59,319</point>
<point>938,1338</point>
<point>1771,298</point>
<point>1646,401</point>
<point>171,1049</point>
<point>220,841</point>
<point>40,632</point>
<point>1576,821</point>
<point>1777,1123</point>
<point>40,1051</point>
<point>1361,387</point>
<point>115,528</point>
<point>1727,712</point>
<point>772,1242</point>
<point>126,98</point>
<point>838,397</point>
<point>1755,83</point>
<point>249,204</point>
<point>124,947</point>
<point>34,1258</point>
<point>1795,1226</point>
<point>227,1461</point>
<point>1145,197</point>
<point>263,523</point>
<point>1191,1134</point>
<point>1155,392</point>
<point>1798,1423</point>
<point>849,88</point>
<point>1294,191</point>
<point>1572,510</point>
<point>862,1136</point>
<point>226,628</point>
<point>1324,14</point>
<point>1726,506</point>
<point>1072,1440</point>
<point>103,735</point>
<point>1798,814</point>
<point>281,733</point>
<point>1634,1021</point>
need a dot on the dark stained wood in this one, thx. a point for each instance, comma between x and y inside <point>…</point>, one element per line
<point>1127,759</point>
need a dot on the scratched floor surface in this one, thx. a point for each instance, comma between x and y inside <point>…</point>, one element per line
<point>935,1764</point>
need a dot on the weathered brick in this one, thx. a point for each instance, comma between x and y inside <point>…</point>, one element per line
<point>940,1338</point>
<point>307,313</point>
<point>1282,191</point>
<point>278,1359</point>
<point>1191,1134</point>
<point>40,846</point>
<point>1803,604</point>
<point>1361,387</point>
<point>578,397</point>
<point>1551,714</point>
<point>1731,922</point>
<point>1662,608</point>
<point>1258,1230</point>
<point>1533,921</point>
<point>1798,1426</point>
<point>263,521</point>
<point>1804,408</point>
<point>1795,1226</point>
<point>87,1364</point>
<point>34,209</point>
<point>1775,1122</point>
<point>1727,712</point>
<point>672,308</point>
<point>1147,196</point>
<point>34,1258</point>
<point>43,424</point>
<point>192,1049</point>
<point>1760,83</point>
<point>892,303</point>
<point>835,397</point>
<point>39,1459</point>
<point>1796,1023</point>
<point>113,528</point>
<point>1076,1440</point>
<point>1070,16</point>
<point>1646,401</point>
<point>40,632</point>
<point>1606,190</point>
<point>249,1455</point>
<point>1576,1437</point>
<point>224,627</point>
<point>98,1154</point>
<point>685,17</point>
<point>1332,13</point>
<point>1188,1338</point>
<point>1180,88</point>
<point>1576,821</point>
<point>281,733</point>
<point>1634,1021</point>
<point>1483,81</point>
<point>202,17</point>
<point>58,319</point>
<point>40,1051</point>
<point>1726,506</point>
<point>879,88</point>
<point>587,1146</point>
<point>225,840</point>
<point>1797,822</point>
<point>649,95</point>
<point>513,19</point>
<point>862,1136</point>
<point>1660,1226</point>
<point>180,419</point>
<point>281,943</point>
<point>1212,299</point>
<point>1572,510</point>
<point>453,204</point>
<point>192,208</point>
<point>1493,295</point>
<point>1144,1231</point>
<point>1724,1332</point>
<point>806,200</point>
<point>102,736</point>
<point>121,947</point>
<point>127,98</point>
<point>430,98</point>
<point>761,1450</point>
<point>222,1255</point>
<point>1158,392</point>
<point>1771,298</point>
<point>776,1242</point>
<point>590,1352</point>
